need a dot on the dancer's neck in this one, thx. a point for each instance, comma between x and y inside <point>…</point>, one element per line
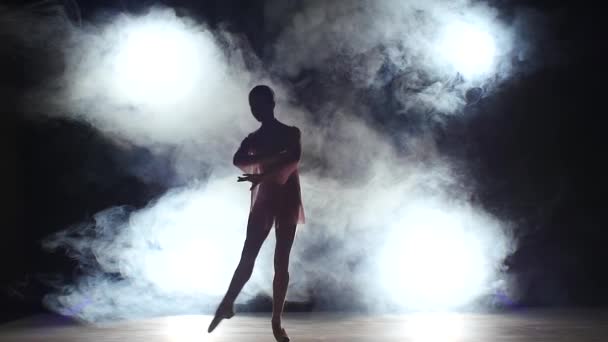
<point>270,123</point>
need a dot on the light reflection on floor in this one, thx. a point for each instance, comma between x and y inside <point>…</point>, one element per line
<point>554,326</point>
<point>432,327</point>
<point>186,328</point>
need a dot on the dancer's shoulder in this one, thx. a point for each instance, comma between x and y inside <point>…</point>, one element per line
<point>249,139</point>
<point>289,130</point>
<point>294,130</point>
<point>253,134</point>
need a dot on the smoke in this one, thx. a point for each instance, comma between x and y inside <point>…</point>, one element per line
<point>432,51</point>
<point>156,80</point>
<point>158,259</point>
<point>391,224</point>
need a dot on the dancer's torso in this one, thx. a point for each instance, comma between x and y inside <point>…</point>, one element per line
<point>273,195</point>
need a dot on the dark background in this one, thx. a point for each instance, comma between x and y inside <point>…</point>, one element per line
<point>535,149</point>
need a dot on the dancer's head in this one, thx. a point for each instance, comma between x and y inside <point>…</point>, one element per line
<point>261,101</point>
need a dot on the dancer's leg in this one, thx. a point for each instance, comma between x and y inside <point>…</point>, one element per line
<point>258,227</point>
<point>285,234</point>
<point>257,230</point>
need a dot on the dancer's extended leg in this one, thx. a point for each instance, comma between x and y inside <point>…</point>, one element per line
<point>258,227</point>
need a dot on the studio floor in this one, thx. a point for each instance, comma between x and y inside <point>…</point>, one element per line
<point>520,325</point>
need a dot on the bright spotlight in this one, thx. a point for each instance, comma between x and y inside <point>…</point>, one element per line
<point>177,245</point>
<point>468,49</point>
<point>434,261</point>
<point>157,62</point>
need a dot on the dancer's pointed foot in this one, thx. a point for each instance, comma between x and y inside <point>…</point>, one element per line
<point>223,311</point>
<point>279,333</point>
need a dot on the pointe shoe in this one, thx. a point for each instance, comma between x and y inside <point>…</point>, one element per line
<point>280,334</point>
<point>220,314</point>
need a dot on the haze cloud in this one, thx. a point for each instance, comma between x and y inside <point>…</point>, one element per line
<point>369,200</point>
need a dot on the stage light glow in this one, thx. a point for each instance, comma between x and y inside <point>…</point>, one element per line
<point>158,62</point>
<point>189,242</point>
<point>433,261</point>
<point>467,48</point>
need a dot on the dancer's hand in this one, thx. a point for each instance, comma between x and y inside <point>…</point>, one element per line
<point>255,179</point>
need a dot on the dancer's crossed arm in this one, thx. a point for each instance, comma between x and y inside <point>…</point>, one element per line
<point>277,167</point>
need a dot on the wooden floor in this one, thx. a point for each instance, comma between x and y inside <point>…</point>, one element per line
<point>554,326</point>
